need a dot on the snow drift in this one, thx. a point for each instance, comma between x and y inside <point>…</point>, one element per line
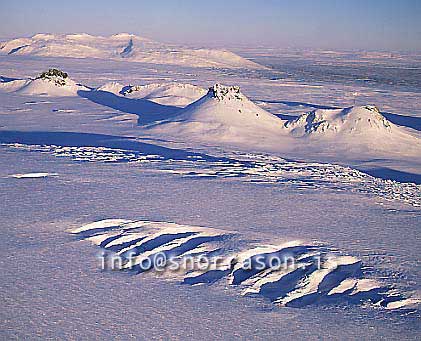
<point>125,46</point>
<point>291,274</point>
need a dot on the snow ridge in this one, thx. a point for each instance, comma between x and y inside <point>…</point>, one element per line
<point>292,274</point>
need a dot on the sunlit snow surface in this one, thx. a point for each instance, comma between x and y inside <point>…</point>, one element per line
<point>254,202</point>
<point>256,168</point>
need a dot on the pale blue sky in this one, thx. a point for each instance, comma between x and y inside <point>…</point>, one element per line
<point>340,24</point>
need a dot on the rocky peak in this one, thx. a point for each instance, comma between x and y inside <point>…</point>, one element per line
<point>222,92</point>
<point>55,75</point>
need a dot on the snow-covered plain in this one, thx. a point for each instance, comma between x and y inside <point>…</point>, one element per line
<point>280,161</point>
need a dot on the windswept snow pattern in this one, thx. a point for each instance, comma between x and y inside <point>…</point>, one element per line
<point>253,168</point>
<point>292,274</point>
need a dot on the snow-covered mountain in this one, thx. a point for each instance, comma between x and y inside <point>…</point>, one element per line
<point>176,94</point>
<point>53,82</point>
<point>171,94</point>
<point>364,120</point>
<point>224,114</point>
<point>358,129</point>
<point>122,46</point>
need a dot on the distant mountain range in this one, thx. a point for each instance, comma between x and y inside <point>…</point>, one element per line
<point>122,46</point>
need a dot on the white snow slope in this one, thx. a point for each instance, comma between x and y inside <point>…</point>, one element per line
<point>122,46</point>
<point>54,86</point>
<point>175,94</point>
<point>225,116</point>
<point>88,164</point>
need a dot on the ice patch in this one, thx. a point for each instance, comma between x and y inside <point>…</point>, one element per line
<point>32,175</point>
